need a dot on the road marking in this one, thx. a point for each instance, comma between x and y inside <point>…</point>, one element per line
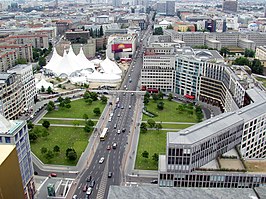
<point>103,183</point>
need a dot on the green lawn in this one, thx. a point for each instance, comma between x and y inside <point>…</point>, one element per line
<point>169,113</point>
<point>262,80</point>
<point>77,110</point>
<point>176,126</point>
<point>71,122</point>
<point>153,142</point>
<point>64,137</point>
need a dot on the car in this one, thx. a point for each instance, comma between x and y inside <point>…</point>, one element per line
<point>89,190</point>
<point>75,197</point>
<point>122,107</point>
<point>53,175</point>
<point>125,86</point>
<point>154,181</point>
<point>118,115</point>
<point>109,174</point>
<point>108,147</point>
<point>129,75</point>
<point>118,131</point>
<point>124,94</point>
<point>88,179</point>
<point>101,160</point>
<point>115,126</point>
<point>129,106</point>
<point>92,183</point>
<point>130,80</point>
<point>132,94</point>
<point>126,89</point>
<point>114,145</point>
<point>85,188</point>
<point>123,130</point>
<point>132,70</point>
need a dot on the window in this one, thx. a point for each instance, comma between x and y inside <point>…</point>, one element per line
<point>7,139</point>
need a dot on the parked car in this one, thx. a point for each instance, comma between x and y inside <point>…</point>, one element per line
<point>53,175</point>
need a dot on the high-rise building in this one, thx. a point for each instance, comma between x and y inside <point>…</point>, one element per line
<point>116,3</point>
<point>230,5</point>
<point>170,8</point>
<point>10,181</point>
<point>161,8</point>
<point>16,132</point>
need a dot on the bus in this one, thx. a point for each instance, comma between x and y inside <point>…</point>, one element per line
<point>104,134</point>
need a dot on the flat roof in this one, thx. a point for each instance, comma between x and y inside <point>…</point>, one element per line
<point>5,150</point>
<point>155,192</point>
<point>204,129</point>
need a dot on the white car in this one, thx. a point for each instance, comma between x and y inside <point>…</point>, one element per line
<point>89,190</point>
<point>118,131</point>
<point>101,160</point>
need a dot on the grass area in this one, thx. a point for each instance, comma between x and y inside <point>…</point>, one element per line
<point>64,137</point>
<point>176,126</point>
<point>147,143</point>
<point>263,80</point>
<point>256,165</point>
<point>169,113</point>
<point>71,122</point>
<point>77,110</point>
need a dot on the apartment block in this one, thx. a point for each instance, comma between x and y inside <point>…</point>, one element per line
<point>7,59</point>
<point>261,54</point>
<point>15,132</point>
<point>35,40</point>
<point>25,73</point>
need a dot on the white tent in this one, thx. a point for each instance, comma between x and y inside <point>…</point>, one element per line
<point>43,83</point>
<point>110,67</point>
<point>55,59</point>
<point>82,58</point>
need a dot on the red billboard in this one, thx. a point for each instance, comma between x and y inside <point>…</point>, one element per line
<point>121,47</point>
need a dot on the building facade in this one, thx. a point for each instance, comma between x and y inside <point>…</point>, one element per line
<point>230,5</point>
<point>15,132</point>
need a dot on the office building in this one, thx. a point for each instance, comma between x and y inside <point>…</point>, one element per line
<point>7,59</point>
<point>10,181</point>
<point>15,132</point>
<point>116,3</point>
<point>230,5</point>
<point>170,8</point>
<point>261,54</point>
<point>161,8</point>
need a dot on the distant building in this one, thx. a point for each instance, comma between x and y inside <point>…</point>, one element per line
<point>62,26</point>
<point>170,8</point>
<point>265,11</point>
<point>116,3</point>
<point>78,36</point>
<point>15,132</point>
<point>230,5</point>
<point>161,8</point>
<point>261,54</point>
<point>11,181</point>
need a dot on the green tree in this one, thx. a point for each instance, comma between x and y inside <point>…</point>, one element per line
<point>42,61</point>
<point>89,101</point>
<point>155,97</point>
<point>49,155</point>
<point>170,26</point>
<point>160,105</point>
<point>52,104</point>
<point>160,95</point>
<point>104,99</point>
<point>242,61</point>
<point>32,136</point>
<point>158,126</point>
<point>72,155</point>
<point>147,94</point>
<point>97,111</point>
<point>49,108</point>
<point>143,127</point>
<point>224,51</point>
<point>85,116</point>
<point>90,123</point>
<point>49,90</point>
<point>60,99</point>
<point>94,96</point>
<point>56,148</point>
<point>249,53</point>
<point>68,106</point>
<point>257,67</point>
<point>67,100</point>
<point>146,100</point>
<point>43,150</point>
<point>42,89</point>
<point>21,61</point>
<point>30,125</point>
<point>158,31</point>
<point>170,97</point>
<point>151,123</point>
<point>155,157</point>
<point>145,154</point>
<point>101,31</point>
<point>46,124</point>
<point>45,133</point>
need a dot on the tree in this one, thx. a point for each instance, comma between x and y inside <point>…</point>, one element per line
<point>160,105</point>
<point>67,100</point>
<point>158,126</point>
<point>257,67</point>
<point>155,97</point>
<point>97,111</point>
<point>224,51</point>
<point>242,61</point>
<point>169,26</point>
<point>45,133</point>
<point>249,53</point>
<point>94,96</point>
<point>49,155</point>
<point>30,125</point>
<point>158,31</point>
<point>170,97</point>
<point>43,150</point>
<point>89,101</point>
<point>49,108</point>
<point>42,61</point>
<point>155,157</point>
<point>68,106</point>
<point>52,104</point>
<point>160,95</point>
<point>87,128</point>
<point>46,124</point>
<point>90,123</point>
<point>62,104</point>
<point>42,89</point>
<point>49,90</point>
<point>32,136</point>
<point>104,99</point>
<point>143,127</point>
<point>101,31</point>
<point>151,123</point>
<point>146,100</point>
<point>147,94</point>
<point>145,154</point>
<point>56,148</point>
<point>21,61</point>
<point>60,99</point>
<point>85,116</point>
<point>72,155</point>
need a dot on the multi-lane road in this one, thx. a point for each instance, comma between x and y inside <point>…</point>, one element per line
<point>123,119</point>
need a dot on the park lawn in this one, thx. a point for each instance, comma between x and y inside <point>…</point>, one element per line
<point>169,113</point>
<point>70,122</point>
<point>152,142</point>
<point>64,137</point>
<point>176,126</point>
<point>77,110</point>
<point>262,80</point>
